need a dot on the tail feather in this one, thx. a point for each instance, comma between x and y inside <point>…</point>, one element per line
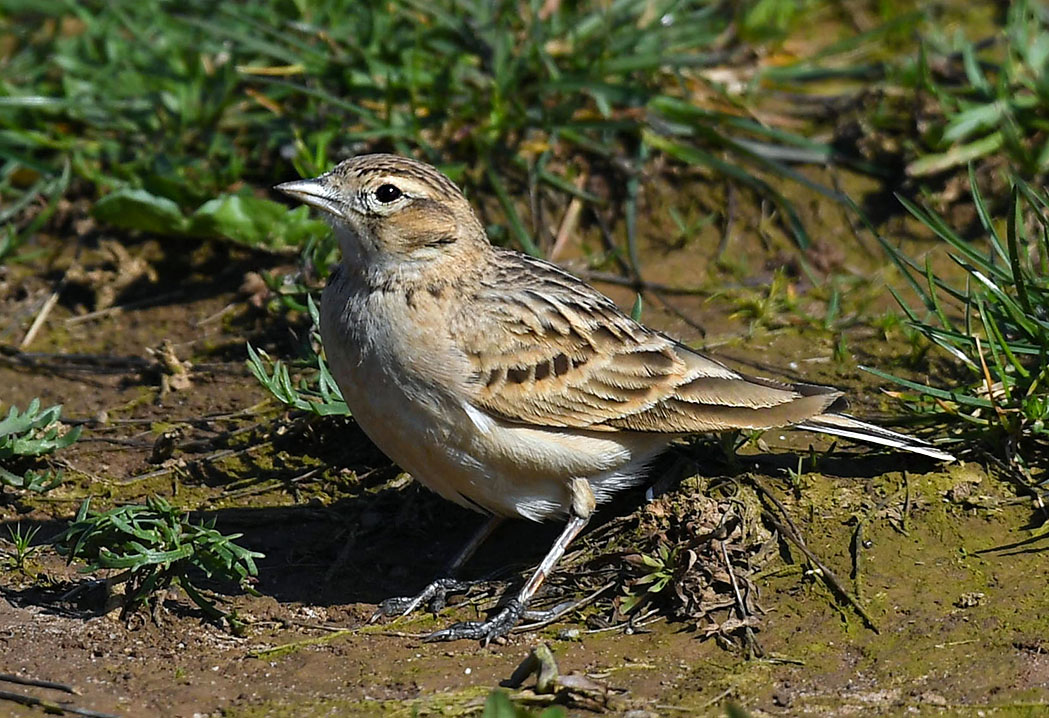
<point>850,428</point>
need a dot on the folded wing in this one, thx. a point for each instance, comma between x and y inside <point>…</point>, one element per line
<point>551,351</point>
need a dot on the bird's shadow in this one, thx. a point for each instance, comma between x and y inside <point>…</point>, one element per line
<point>393,538</point>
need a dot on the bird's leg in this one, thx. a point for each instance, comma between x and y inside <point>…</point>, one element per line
<point>503,622</point>
<point>514,610</point>
<point>436,593</point>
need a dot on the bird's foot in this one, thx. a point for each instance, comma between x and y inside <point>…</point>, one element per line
<point>485,631</point>
<point>434,596</point>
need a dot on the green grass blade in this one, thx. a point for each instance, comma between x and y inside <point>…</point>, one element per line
<point>957,397</point>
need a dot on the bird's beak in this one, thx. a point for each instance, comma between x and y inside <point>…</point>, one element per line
<point>315,192</point>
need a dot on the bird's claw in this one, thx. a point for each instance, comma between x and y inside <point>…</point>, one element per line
<point>434,596</point>
<point>485,631</point>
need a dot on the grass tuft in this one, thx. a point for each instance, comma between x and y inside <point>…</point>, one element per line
<point>169,115</point>
<point>316,391</point>
<point>155,546</point>
<point>994,325</point>
<point>989,97</point>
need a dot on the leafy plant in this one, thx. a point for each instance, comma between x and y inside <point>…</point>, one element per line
<point>249,220</point>
<point>24,548</point>
<point>659,571</point>
<point>30,435</point>
<point>994,326</point>
<point>156,546</point>
<point>323,399</point>
<point>316,392</point>
<point>34,432</point>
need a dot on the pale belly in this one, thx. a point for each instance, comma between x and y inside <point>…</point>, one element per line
<point>458,451</point>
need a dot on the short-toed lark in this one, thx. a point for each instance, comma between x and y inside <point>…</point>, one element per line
<point>506,384</point>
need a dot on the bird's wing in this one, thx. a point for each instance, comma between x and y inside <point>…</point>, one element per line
<point>549,350</point>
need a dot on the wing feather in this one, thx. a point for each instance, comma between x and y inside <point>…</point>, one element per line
<point>549,350</point>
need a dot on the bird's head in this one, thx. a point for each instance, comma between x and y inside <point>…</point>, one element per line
<point>388,210</point>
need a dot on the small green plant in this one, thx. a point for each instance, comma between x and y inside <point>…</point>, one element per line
<point>687,227</point>
<point>659,572</point>
<point>323,398</point>
<point>156,546</point>
<point>316,393</point>
<point>27,436</point>
<point>994,326</point>
<point>23,545</point>
<point>768,306</point>
<point>732,710</point>
<point>18,221</point>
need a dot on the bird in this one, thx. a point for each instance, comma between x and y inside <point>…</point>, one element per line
<point>506,384</point>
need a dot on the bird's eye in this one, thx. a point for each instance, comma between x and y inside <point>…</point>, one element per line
<point>388,193</point>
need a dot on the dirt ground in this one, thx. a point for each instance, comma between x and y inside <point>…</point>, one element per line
<point>955,592</point>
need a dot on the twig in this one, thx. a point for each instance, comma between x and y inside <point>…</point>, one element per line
<point>633,190</point>
<point>569,222</point>
<point>397,634</point>
<point>151,301</point>
<point>730,218</point>
<point>10,678</point>
<point>741,606</point>
<point>718,698</point>
<point>321,640</point>
<point>535,206</point>
<point>217,315</point>
<point>95,478</point>
<point>680,314</point>
<point>643,285</point>
<point>41,317</point>
<point>99,363</point>
<point>836,183</point>
<point>906,502</point>
<point>857,557</point>
<point>209,459</point>
<point>51,706</point>
<point>316,626</point>
<point>990,385</point>
<point>610,242</point>
<point>789,531</point>
<point>639,622</point>
<point>296,645</point>
<point>575,606</point>
<point>254,488</point>
<point>111,424</point>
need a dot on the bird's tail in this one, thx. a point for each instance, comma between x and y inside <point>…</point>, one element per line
<point>845,426</point>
